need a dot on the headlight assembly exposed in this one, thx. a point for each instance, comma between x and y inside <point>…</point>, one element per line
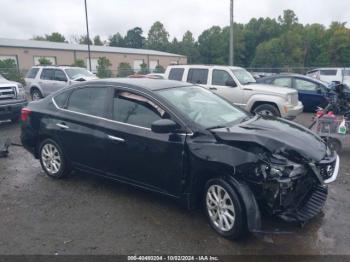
<point>279,167</point>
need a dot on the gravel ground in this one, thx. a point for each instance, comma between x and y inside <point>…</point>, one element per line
<point>84,214</point>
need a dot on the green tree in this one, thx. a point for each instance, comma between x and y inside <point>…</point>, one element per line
<point>189,48</point>
<point>97,40</point>
<point>288,19</point>
<point>79,63</point>
<point>83,40</point>
<point>117,40</point>
<point>134,38</point>
<point>103,68</point>
<point>124,70</point>
<point>144,69</point>
<point>159,69</point>
<point>44,61</point>
<point>53,37</point>
<point>158,37</point>
<point>9,70</point>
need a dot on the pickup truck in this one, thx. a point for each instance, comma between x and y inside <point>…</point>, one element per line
<point>12,99</point>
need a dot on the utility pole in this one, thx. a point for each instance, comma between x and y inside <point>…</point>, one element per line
<point>231,58</point>
<point>87,34</point>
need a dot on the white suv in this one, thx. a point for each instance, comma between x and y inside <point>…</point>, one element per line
<point>44,80</point>
<point>239,87</point>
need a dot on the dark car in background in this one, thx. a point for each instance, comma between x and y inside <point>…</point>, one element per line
<point>312,92</point>
<point>185,142</point>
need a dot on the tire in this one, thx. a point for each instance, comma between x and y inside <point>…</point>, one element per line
<point>52,159</point>
<point>218,215</point>
<point>267,109</point>
<point>36,94</point>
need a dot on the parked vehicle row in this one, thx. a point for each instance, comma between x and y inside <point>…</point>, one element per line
<point>239,87</point>
<point>181,140</point>
<point>331,74</point>
<point>12,99</point>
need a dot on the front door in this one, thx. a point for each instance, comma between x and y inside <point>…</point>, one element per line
<point>310,94</point>
<point>135,153</point>
<point>219,81</point>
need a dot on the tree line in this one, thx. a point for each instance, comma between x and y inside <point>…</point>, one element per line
<point>260,43</point>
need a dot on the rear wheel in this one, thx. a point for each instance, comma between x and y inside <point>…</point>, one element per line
<point>267,110</point>
<point>36,95</point>
<point>52,159</point>
<point>224,209</point>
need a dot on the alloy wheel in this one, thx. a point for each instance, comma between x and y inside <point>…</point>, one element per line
<point>220,208</point>
<point>36,96</point>
<point>51,159</point>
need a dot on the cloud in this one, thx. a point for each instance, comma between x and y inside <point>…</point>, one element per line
<point>26,18</point>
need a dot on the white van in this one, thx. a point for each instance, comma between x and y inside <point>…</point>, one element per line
<point>239,87</point>
<point>331,74</point>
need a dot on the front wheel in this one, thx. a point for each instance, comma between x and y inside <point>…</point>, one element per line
<point>267,110</point>
<point>52,159</point>
<point>224,210</point>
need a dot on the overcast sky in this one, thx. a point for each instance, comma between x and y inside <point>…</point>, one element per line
<point>24,18</point>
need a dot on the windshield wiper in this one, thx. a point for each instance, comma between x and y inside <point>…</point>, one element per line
<point>216,127</point>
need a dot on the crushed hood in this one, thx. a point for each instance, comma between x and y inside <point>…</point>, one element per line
<point>276,135</point>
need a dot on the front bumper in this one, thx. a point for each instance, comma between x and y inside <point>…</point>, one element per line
<point>291,111</point>
<point>11,109</point>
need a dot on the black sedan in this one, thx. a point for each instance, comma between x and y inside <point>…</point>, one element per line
<point>183,141</point>
<point>312,92</point>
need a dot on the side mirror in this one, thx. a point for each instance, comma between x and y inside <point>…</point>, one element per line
<point>231,83</point>
<point>164,126</point>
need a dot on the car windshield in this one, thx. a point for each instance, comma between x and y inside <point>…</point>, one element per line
<point>203,107</point>
<point>243,76</point>
<point>76,72</point>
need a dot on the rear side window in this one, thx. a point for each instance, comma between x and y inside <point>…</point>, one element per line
<point>198,76</point>
<point>328,72</point>
<point>61,99</point>
<point>47,74</point>
<point>285,82</point>
<point>136,110</point>
<point>305,85</point>
<point>32,73</point>
<point>346,72</point>
<point>88,100</point>
<point>176,74</point>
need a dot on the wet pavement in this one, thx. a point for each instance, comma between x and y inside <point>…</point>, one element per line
<point>84,214</point>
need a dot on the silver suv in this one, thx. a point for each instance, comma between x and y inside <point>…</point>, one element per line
<point>239,87</point>
<point>44,80</point>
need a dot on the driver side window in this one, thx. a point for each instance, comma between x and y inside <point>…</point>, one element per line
<point>136,110</point>
<point>220,77</point>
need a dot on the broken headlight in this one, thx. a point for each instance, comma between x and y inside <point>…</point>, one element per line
<point>278,167</point>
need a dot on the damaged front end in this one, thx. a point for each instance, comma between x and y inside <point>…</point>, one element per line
<point>295,191</point>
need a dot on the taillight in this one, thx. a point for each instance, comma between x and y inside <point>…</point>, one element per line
<point>25,112</point>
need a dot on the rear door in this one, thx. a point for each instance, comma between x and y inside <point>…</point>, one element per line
<point>135,153</point>
<point>80,127</point>
<point>46,78</point>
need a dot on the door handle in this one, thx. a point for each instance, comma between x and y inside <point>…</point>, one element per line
<point>62,126</point>
<point>247,89</point>
<point>117,139</point>
<point>213,88</point>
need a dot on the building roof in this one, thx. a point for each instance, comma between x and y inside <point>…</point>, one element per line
<point>6,42</point>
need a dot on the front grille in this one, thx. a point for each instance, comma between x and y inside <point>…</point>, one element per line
<point>327,168</point>
<point>7,92</point>
<point>295,99</point>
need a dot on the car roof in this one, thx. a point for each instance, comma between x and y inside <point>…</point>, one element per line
<point>206,66</point>
<point>57,67</point>
<point>143,83</point>
<point>295,75</point>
